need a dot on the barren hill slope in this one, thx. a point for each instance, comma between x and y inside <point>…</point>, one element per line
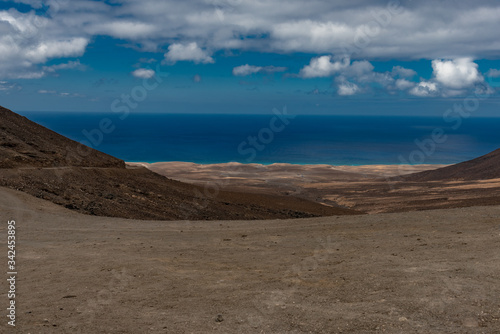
<point>482,168</point>
<point>44,164</point>
<point>24,143</point>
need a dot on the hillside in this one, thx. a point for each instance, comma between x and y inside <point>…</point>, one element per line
<point>44,164</point>
<point>24,143</point>
<point>483,168</point>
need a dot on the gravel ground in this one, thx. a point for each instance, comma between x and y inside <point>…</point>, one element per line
<point>416,272</point>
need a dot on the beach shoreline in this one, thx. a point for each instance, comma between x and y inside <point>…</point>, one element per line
<point>389,170</point>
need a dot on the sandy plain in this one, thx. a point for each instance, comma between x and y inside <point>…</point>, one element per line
<point>414,272</point>
<point>369,188</point>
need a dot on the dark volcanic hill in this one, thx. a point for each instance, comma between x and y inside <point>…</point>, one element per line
<point>42,163</point>
<point>483,168</point>
<point>24,143</point>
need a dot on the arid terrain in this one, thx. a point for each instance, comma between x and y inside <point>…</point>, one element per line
<point>44,164</point>
<point>370,189</point>
<point>108,247</point>
<point>416,272</point>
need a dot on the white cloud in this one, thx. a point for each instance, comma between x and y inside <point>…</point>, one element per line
<point>323,67</point>
<point>7,87</point>
<point>44,91</point>
<point>403,84</point>
<point>123,29</point>
<point>346,88</point>
<point>403,72</point>
<point>27,41</point>
<point>143,73</point>
<point>64,66</point>
<point>352,78</point>
<point>456,74</point>
<point>187,52</point>
<point>424,89</point>
<point>70,47</point>
<point>493,73</point>
<point>362,29</point>
<point>62,94</point>
<point>246,69</point>
<point>455,77</point>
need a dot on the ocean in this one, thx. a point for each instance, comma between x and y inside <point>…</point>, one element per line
<point>266,139</point>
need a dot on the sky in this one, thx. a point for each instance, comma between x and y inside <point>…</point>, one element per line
<point>351,57</point>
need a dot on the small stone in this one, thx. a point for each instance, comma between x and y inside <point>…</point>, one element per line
<point>219,318</point>
<point>470,323</point>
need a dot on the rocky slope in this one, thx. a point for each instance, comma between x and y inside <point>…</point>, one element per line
<point>44,164</point>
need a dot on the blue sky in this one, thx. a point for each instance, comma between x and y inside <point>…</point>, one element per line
<point>235,56</point>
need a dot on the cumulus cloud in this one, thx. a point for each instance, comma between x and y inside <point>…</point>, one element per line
<point>187,52</point>
<point>346,88</point>
<point>403,72</point>
<point>143,73</point>
<point>323,66</point>
<point>403,84</point>
<point>449,77</point>
<point>425,89</point>
<point>193,30</point>
<point>24,46</point>
<point>246,69</point>
<point>367,28</point>
<point>456,74</point>
<point>70,47</point>
<point>452,77</point>
<point>351,77</point>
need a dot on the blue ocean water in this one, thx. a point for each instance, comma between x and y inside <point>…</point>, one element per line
<point>307,139</point>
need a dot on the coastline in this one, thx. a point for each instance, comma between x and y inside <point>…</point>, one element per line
<point>188,170</point>
<point>367,188</point>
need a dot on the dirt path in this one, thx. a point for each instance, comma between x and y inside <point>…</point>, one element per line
<point>421,272</point>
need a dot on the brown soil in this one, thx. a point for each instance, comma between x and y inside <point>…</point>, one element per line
<point>24,143</point>
<point>371,189</point>
<point>429,272</point>
<point>482,168</point>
